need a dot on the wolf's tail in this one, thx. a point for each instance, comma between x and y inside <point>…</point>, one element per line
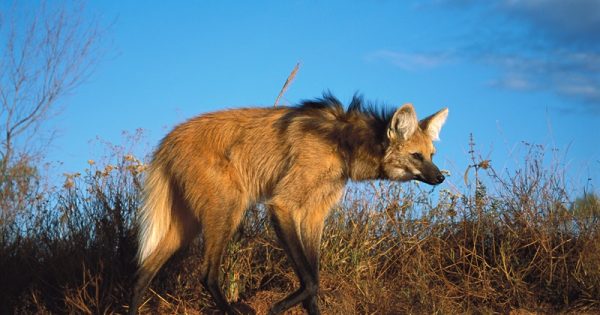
<point>154,217</point>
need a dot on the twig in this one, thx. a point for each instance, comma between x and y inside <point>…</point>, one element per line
<point>289,80</point>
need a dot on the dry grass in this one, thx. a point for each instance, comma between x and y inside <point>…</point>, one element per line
<point>514,244</point>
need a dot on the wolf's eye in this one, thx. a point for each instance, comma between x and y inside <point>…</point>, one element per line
<point>417,156</point>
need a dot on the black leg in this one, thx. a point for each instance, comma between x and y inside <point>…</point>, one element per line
<point>309,282</point>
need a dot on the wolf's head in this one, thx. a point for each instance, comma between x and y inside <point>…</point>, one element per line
<point>410,150</point>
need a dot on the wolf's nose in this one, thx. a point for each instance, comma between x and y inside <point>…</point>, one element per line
<point>440,178</point>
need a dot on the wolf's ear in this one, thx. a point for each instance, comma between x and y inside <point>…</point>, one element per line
<point>433,124</point>
<point>403,124</point>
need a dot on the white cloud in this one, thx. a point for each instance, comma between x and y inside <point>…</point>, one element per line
<point>514,82</point>
<point>572,75</point>
<point>542,45</point>
<point>409,61</point>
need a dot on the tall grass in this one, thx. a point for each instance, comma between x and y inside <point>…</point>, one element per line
<point>510,241</point>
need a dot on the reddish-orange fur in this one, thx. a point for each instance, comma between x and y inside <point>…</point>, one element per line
<point>295,160</point>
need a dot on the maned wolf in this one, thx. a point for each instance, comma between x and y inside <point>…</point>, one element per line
<point>295,160</point>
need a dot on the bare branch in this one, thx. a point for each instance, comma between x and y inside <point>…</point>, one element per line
<point>46,55</point>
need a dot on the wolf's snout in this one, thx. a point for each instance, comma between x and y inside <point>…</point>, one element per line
<point>440,178</point>
<point>436,179</point>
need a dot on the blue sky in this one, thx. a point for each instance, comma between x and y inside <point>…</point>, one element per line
<point>510,71</point>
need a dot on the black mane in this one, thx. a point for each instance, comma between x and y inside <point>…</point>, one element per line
<point>357,106</point>
<point>359,132</point>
